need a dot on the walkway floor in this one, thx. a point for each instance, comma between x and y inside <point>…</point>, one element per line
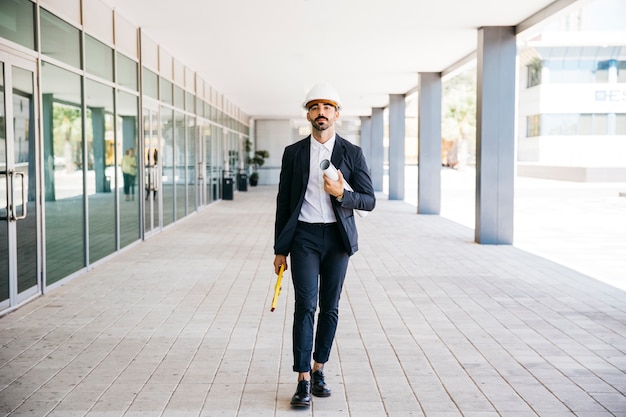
<point>431,324</point>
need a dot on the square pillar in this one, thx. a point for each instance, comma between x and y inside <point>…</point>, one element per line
<point>378,148</point>
<point>495,135</point>
<point>429,144</point>
<point>396,146</point>
<point>366,139</point>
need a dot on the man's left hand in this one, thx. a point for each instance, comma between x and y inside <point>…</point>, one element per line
<point>334,188</point>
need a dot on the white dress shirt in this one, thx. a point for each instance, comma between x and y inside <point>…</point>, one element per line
<point>317,207</point>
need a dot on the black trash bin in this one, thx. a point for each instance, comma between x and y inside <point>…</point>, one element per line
<point>242,181</point>
<point>107,184</point>
<point>227,188</point>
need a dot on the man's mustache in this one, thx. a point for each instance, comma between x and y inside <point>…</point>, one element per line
<point>320,117</point>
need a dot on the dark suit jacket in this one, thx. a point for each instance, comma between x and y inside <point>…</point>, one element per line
<point>294,176</point>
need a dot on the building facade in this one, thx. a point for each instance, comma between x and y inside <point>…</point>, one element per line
<point>572,97</point>
<point>80,89</point>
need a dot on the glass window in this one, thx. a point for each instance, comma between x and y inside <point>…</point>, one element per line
<point>570,71</point>
<point>574,124</point>
<point>166,91</point>
<point>179,97</point>
<point>150,83</point>
<point>190,98</point>
<point>180,165</point>
<point>602,72</point>
<point>534,73</point>
<point>209,138</point>
<point>63,172</point>
<point>127,144</point>
<point>573,72</point>
<point>190,160</point>
<point>585,126</point>
<point>621,72</point>
<point>98,58</point>
<point>600,124</point>
<point>166,159</point>
<point>16,22</point>
<point>199,107</point>
<point>59,40</point>
<point>559,124</point>
<point>126,72</point>
<point>4,261</point>
<point>100,173</point>
<point>620,124</point>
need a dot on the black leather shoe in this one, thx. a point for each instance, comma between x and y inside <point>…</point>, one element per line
<point>318,385</point>
<point>302,397</point>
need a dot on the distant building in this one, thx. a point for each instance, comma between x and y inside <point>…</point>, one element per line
<point>572,97</point>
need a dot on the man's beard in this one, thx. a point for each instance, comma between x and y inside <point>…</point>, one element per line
<point>319,127</point>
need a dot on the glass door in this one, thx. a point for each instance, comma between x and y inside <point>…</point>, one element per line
<point>201,195</point>
<point>152,170</point>
<point>19,254</point>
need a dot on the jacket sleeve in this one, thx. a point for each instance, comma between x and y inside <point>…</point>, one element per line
<point>283,201</point>
<point>363,197</point>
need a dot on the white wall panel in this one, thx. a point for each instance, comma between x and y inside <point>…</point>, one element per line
<point>149,53</point>
<point>68,10</point>
<point>126,37</point>
<point>99,21</point>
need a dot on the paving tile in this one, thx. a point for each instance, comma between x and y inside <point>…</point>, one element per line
<point>431,325</point>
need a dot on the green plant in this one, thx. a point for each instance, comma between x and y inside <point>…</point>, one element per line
<point>256,159</point>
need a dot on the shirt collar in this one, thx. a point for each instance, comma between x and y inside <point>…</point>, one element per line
<point>329,144</point>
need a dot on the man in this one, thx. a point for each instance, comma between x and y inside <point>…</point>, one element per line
<point>315,226</point>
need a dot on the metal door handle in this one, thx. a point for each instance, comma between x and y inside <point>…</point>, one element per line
<point>6,174</point>
<point>23,215</point>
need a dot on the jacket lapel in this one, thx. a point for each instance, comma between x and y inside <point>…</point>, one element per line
<point>337,156</point>
<point>305,161</point>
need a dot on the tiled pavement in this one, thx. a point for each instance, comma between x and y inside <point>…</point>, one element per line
<point>431,324</point>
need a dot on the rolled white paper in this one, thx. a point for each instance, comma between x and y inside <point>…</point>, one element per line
<point>331,172</point>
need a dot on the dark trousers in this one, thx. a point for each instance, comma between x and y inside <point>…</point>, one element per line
<point>318,269</point>
<point>129,184</point>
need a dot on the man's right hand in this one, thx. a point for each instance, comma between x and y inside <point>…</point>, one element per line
<point>278,261</point>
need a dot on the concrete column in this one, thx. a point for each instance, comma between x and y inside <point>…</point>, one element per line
<point>396,146</point>
<point>429,144</point>
<point>378,148</point>
<point>366,139</point>
<point>47,101</point>
<point>495,141</point>
<point>98,130</point>
<point>129,134</point>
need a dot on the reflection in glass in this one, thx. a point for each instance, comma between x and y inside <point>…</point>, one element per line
<point>100,169</point>
<point>24,185</point>
<point>4,232</point>
<point>17,19</point>
<point>166,91</point>
<point>99,58</point>
<point>59,39</point>
<point>217,161</point>
<point>167,165</point>
<point>127,146</point>
<point>151,155</point>
<point>150,83</point>
<point>180,171</point>
<point>63,176</point>
<point>126,72</point>
<point>191,163</point>
<point>211,182</point>
<point>179,97</point>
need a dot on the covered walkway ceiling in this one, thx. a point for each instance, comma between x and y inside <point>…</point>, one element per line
<point>264,55</point>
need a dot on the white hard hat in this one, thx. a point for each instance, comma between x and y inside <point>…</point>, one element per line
<point>322,92</point>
